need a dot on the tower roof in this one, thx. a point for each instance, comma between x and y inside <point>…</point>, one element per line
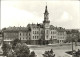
<point>46,11</point>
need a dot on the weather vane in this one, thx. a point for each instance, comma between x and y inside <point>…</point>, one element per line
<point>46,3</point>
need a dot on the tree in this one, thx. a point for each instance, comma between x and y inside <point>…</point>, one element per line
<point>19,50</point>
<point>11,53</point>
<point>51,51</point>
<point>22,50</point>
<point>32,54</point>
<point>15,41</point>
<point>49,54</point>
<point>4,29</point>
<point>6,48</point>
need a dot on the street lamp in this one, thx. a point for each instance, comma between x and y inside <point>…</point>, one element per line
<point>73,36</point>
<point>72,45</point>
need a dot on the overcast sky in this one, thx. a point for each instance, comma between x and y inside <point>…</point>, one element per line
<point>62,13</point>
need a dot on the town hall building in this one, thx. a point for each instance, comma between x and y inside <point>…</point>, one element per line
<point>46,33</point>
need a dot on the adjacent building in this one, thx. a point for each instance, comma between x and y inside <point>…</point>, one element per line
<point>1,37</point>
<point>12,33</point>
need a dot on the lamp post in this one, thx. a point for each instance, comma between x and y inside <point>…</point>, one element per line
<point>72,46</point>
<point>73,36</point>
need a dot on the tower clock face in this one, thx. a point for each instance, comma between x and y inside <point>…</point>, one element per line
<point>46,25</point>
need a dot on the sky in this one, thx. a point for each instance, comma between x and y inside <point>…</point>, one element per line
<point>62,13</point>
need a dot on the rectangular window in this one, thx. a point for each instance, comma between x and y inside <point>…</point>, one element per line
<point>29,38</point>
<point>51,36</point>
<point>41,32</point>
<point>33,37</point>
<point>20,38</point>
<point>20,34</point>
<point>29,34</point>
<point>33,32</point>
<point>47,36</point>
<point>37,32</point>
<point>47,31</point>
<point>51,32</point>
<point>37,37</point>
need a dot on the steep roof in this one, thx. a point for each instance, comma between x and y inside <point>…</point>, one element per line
<point>15,29</point>
<point>35,25</point>
<point>60,29</point>
<point>52,27</point>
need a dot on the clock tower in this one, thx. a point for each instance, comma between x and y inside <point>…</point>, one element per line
<point>46,18</point>
<point>46,24</point>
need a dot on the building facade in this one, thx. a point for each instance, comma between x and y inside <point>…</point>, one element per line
<point>1,37</point>
<point>43,33</point>
<point>12,33</point>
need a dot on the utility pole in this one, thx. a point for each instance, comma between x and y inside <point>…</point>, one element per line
<point>72,46</point>
<point>72,43</point>
<point>73,37</point>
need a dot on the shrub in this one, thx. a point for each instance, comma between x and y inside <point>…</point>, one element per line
<point>22,50</point>
<point>6,48</point>
<point>32,54</point>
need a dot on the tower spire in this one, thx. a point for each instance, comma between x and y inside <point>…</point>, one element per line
<point>46,15</point>
<point>46,11</point>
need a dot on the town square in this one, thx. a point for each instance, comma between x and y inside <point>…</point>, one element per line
<point>40,28</point>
